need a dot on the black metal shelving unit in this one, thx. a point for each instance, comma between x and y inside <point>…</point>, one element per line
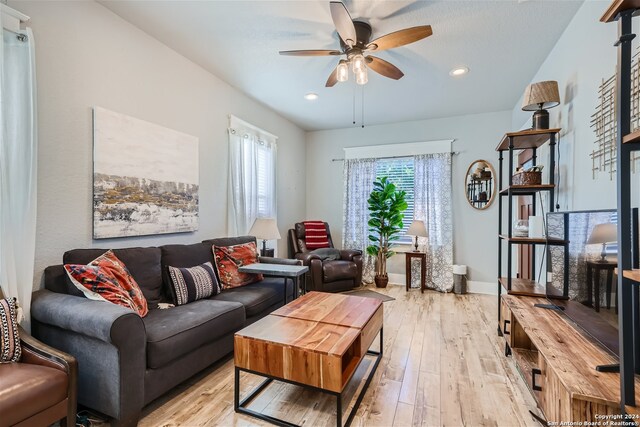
<point>510,144</point>
<point>627,141</point>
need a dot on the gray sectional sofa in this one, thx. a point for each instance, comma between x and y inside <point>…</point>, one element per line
<point>126,361</point>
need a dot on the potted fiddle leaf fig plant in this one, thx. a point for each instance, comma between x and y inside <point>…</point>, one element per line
<point>386,209</point>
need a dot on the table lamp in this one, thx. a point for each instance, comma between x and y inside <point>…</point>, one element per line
<point>603,234</point>
<point>538,97</point>
<point>265,229</point>
<point>417,229</point>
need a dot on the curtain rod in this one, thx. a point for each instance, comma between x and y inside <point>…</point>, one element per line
<point>250,126</point>
<point>14,13</point>
<point>453,153</point>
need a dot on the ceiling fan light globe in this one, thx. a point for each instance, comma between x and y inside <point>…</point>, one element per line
<point>358,62</point>
<point>361,76</point>
<point>343,71</point>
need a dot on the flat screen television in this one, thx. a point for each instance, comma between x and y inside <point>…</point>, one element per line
<point>583,284</point>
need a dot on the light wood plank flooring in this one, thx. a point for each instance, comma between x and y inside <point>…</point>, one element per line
<point>443,365</point>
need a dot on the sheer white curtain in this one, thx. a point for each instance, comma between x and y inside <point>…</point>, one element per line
<point>359,175</point>
<point>252,176</point>
<point>18,167</point>
<point>432,204</point>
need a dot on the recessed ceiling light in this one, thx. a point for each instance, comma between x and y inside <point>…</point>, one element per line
<point>311,96</point>
<point>459,71</point>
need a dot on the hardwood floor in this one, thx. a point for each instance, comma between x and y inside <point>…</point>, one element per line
<point>443,365</point>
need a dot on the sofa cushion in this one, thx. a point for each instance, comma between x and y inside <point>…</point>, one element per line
<point>229,241</point>
<point>176,331</point>
<point>327,254</point>
<point>339,270</point>
<point>57,280</point>
<point>190,284</point>
<point>142,263</point>
<point>26,390</point>
<point>257,297</point>
<point>106,278</point>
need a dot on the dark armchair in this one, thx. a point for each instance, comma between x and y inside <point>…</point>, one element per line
<point>326,275</point>
<point>40,389</point>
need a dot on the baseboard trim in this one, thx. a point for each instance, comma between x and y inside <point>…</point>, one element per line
<point>396,279</point>
<point>487,288</point>
<point>473,286</point>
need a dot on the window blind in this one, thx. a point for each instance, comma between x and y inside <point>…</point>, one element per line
<point>265,174</point>
<point>400,171</point>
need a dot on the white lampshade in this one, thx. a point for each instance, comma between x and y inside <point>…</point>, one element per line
<point>417,228</point>
<point>265,229</point>
<point>603,233</point>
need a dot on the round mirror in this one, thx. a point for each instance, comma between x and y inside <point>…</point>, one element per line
<point>479,184</point>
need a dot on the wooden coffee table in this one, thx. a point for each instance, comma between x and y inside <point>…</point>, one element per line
<point>317,341</point>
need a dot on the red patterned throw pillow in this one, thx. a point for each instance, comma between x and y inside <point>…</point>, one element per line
<point>10,350</point>
<point>229,258</point>
<point>106,278</point>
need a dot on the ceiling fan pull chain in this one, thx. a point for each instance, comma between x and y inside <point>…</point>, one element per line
<point>354,103</point>
<point>362,106</point>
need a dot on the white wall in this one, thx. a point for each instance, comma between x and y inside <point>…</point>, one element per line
<point>583,56</point>
<point>88,56</point>
<point>476,136</point>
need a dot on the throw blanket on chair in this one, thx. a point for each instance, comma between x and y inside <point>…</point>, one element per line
<point>315,235</point>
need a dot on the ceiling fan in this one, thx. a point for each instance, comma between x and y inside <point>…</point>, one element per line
<point>355,42</point>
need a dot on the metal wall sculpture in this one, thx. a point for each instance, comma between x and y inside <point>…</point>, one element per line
<point>603,122</point>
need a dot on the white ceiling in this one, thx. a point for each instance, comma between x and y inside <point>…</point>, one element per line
<point>502,42</point>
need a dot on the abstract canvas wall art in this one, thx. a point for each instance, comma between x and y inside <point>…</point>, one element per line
<point>145,178</point>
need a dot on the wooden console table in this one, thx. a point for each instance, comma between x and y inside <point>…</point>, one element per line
<point>422,256</point>
<point>558,362</point>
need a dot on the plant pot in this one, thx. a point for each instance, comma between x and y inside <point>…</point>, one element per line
<point>381,281</point>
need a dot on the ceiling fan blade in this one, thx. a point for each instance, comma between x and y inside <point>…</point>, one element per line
<point>333,78</point>
<point>384,68</point>
<point>343,22</point>
<point>400,38</point>
<point>317,52</point>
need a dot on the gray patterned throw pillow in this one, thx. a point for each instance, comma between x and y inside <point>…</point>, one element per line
<point>193,283</point>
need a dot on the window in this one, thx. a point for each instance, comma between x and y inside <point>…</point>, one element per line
<point>265,171</point>
<point>400,171</point>
<point>252,176</point>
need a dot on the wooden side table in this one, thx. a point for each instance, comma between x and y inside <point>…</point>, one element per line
<point>422,256</point>
<point>593,282</point>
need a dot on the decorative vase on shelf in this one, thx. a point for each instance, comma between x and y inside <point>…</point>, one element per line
<point>521,228</point>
